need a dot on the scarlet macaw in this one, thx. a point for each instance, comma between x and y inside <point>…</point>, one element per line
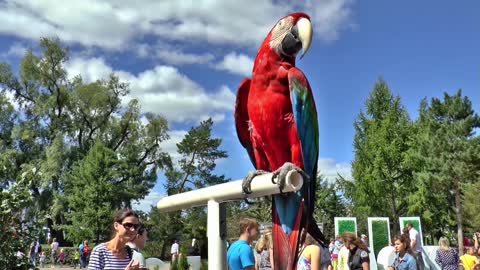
<point>276,122</point>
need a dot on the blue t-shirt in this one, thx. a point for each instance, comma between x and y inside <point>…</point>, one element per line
<point>240,256</point>
<point>338,244</point>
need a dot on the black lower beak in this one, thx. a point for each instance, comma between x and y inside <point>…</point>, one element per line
<point>291,44</point>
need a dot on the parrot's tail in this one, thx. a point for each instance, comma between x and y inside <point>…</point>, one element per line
<point>285,246</point>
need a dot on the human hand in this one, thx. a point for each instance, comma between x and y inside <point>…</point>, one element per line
<point>133,266</point>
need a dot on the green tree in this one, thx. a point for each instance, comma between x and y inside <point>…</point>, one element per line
<point>15,233</point>
<point>163,229</point>
<point>381,181</point>
<point>328,205</point>
<point>62,119</point>
<point>446,154</point>
<point>8,119</point>
<point>91,191</point>
<point>199,153</point>
<point>471,201</point>
<point>235,212</point>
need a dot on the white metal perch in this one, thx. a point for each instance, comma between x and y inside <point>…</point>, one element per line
<point>212,197</point>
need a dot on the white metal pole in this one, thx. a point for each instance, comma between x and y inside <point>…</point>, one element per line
<point>261,186</point>
<point>216,254</point>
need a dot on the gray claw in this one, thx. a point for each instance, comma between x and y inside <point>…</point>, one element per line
<point>281,174</point>
<point>246,184</point>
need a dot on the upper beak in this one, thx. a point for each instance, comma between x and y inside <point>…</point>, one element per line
<point>305,34</point>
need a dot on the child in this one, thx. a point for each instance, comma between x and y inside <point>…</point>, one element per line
<point>61,257</point>
<point>43,257</point>
<point>76,258</point>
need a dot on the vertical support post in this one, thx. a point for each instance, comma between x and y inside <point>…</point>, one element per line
<point>216,247</point>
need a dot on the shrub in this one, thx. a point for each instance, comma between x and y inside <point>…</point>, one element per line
<point>182,260</point>
<point>174,265</point>
<point>204,265</point>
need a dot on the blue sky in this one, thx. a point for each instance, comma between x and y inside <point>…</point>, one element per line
<point>185,59</point>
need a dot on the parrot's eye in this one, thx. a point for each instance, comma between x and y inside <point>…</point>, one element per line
<point>295,34</point>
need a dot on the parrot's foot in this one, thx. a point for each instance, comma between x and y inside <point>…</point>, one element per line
<point>280,176</point>
<point>246,184</point>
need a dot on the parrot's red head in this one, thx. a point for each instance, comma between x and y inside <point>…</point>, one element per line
<point>291,34</point>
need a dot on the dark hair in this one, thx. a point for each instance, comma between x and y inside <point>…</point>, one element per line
<point>123,214</point>
<point>141,229</point>
<point>353,239</point>
<point>410,225</point>
<point>248,223</point>
<point>405,240</point>
<point>309,240</point>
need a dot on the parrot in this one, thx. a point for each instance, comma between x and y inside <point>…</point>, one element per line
<point>276,122</point>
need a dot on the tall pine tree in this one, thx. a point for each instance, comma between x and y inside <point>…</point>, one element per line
<point>381,182</point>
<point>91,191</point>
<point>446,154</point>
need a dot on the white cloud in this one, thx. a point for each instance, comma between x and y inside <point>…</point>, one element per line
<point>330,169</point>
<point>116,24</point>
<point>171,54</point>
<point>10,97</point>
<point>90,69</point>
<point>180,58</point>
<point>239,64</point>
<point>163,90</point>
<point>150,200</point>
<point>329,17</point>
<point>16,50</point>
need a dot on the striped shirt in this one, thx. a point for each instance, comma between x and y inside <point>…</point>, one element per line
<point>103,259</point>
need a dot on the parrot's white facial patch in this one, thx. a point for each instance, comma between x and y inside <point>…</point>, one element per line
<point>279,31</point>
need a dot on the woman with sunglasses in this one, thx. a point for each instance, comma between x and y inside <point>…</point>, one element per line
<point>115,254</point>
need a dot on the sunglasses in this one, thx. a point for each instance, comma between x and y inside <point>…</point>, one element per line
<point>130,226</point>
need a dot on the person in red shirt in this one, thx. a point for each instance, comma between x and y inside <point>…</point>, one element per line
<point>84,252</point>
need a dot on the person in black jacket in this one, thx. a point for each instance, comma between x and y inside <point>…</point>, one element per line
<point>359,254</point>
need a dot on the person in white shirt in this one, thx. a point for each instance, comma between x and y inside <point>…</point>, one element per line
<point>138,244</point>
<point>416,245</point>
<point>175,250</point>
<point>54,247</point>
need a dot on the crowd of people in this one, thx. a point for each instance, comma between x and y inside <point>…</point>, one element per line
<point>449,259</point>
<point>120,252</point>
<point>347,252</point>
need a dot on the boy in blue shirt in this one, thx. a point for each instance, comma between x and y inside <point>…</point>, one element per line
<point>240,254</point>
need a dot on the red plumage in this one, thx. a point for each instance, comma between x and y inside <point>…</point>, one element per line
<point>266,126</point>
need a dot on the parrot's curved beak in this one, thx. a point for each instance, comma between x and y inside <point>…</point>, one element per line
<point>305,34</point>
<point>298,38</point>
